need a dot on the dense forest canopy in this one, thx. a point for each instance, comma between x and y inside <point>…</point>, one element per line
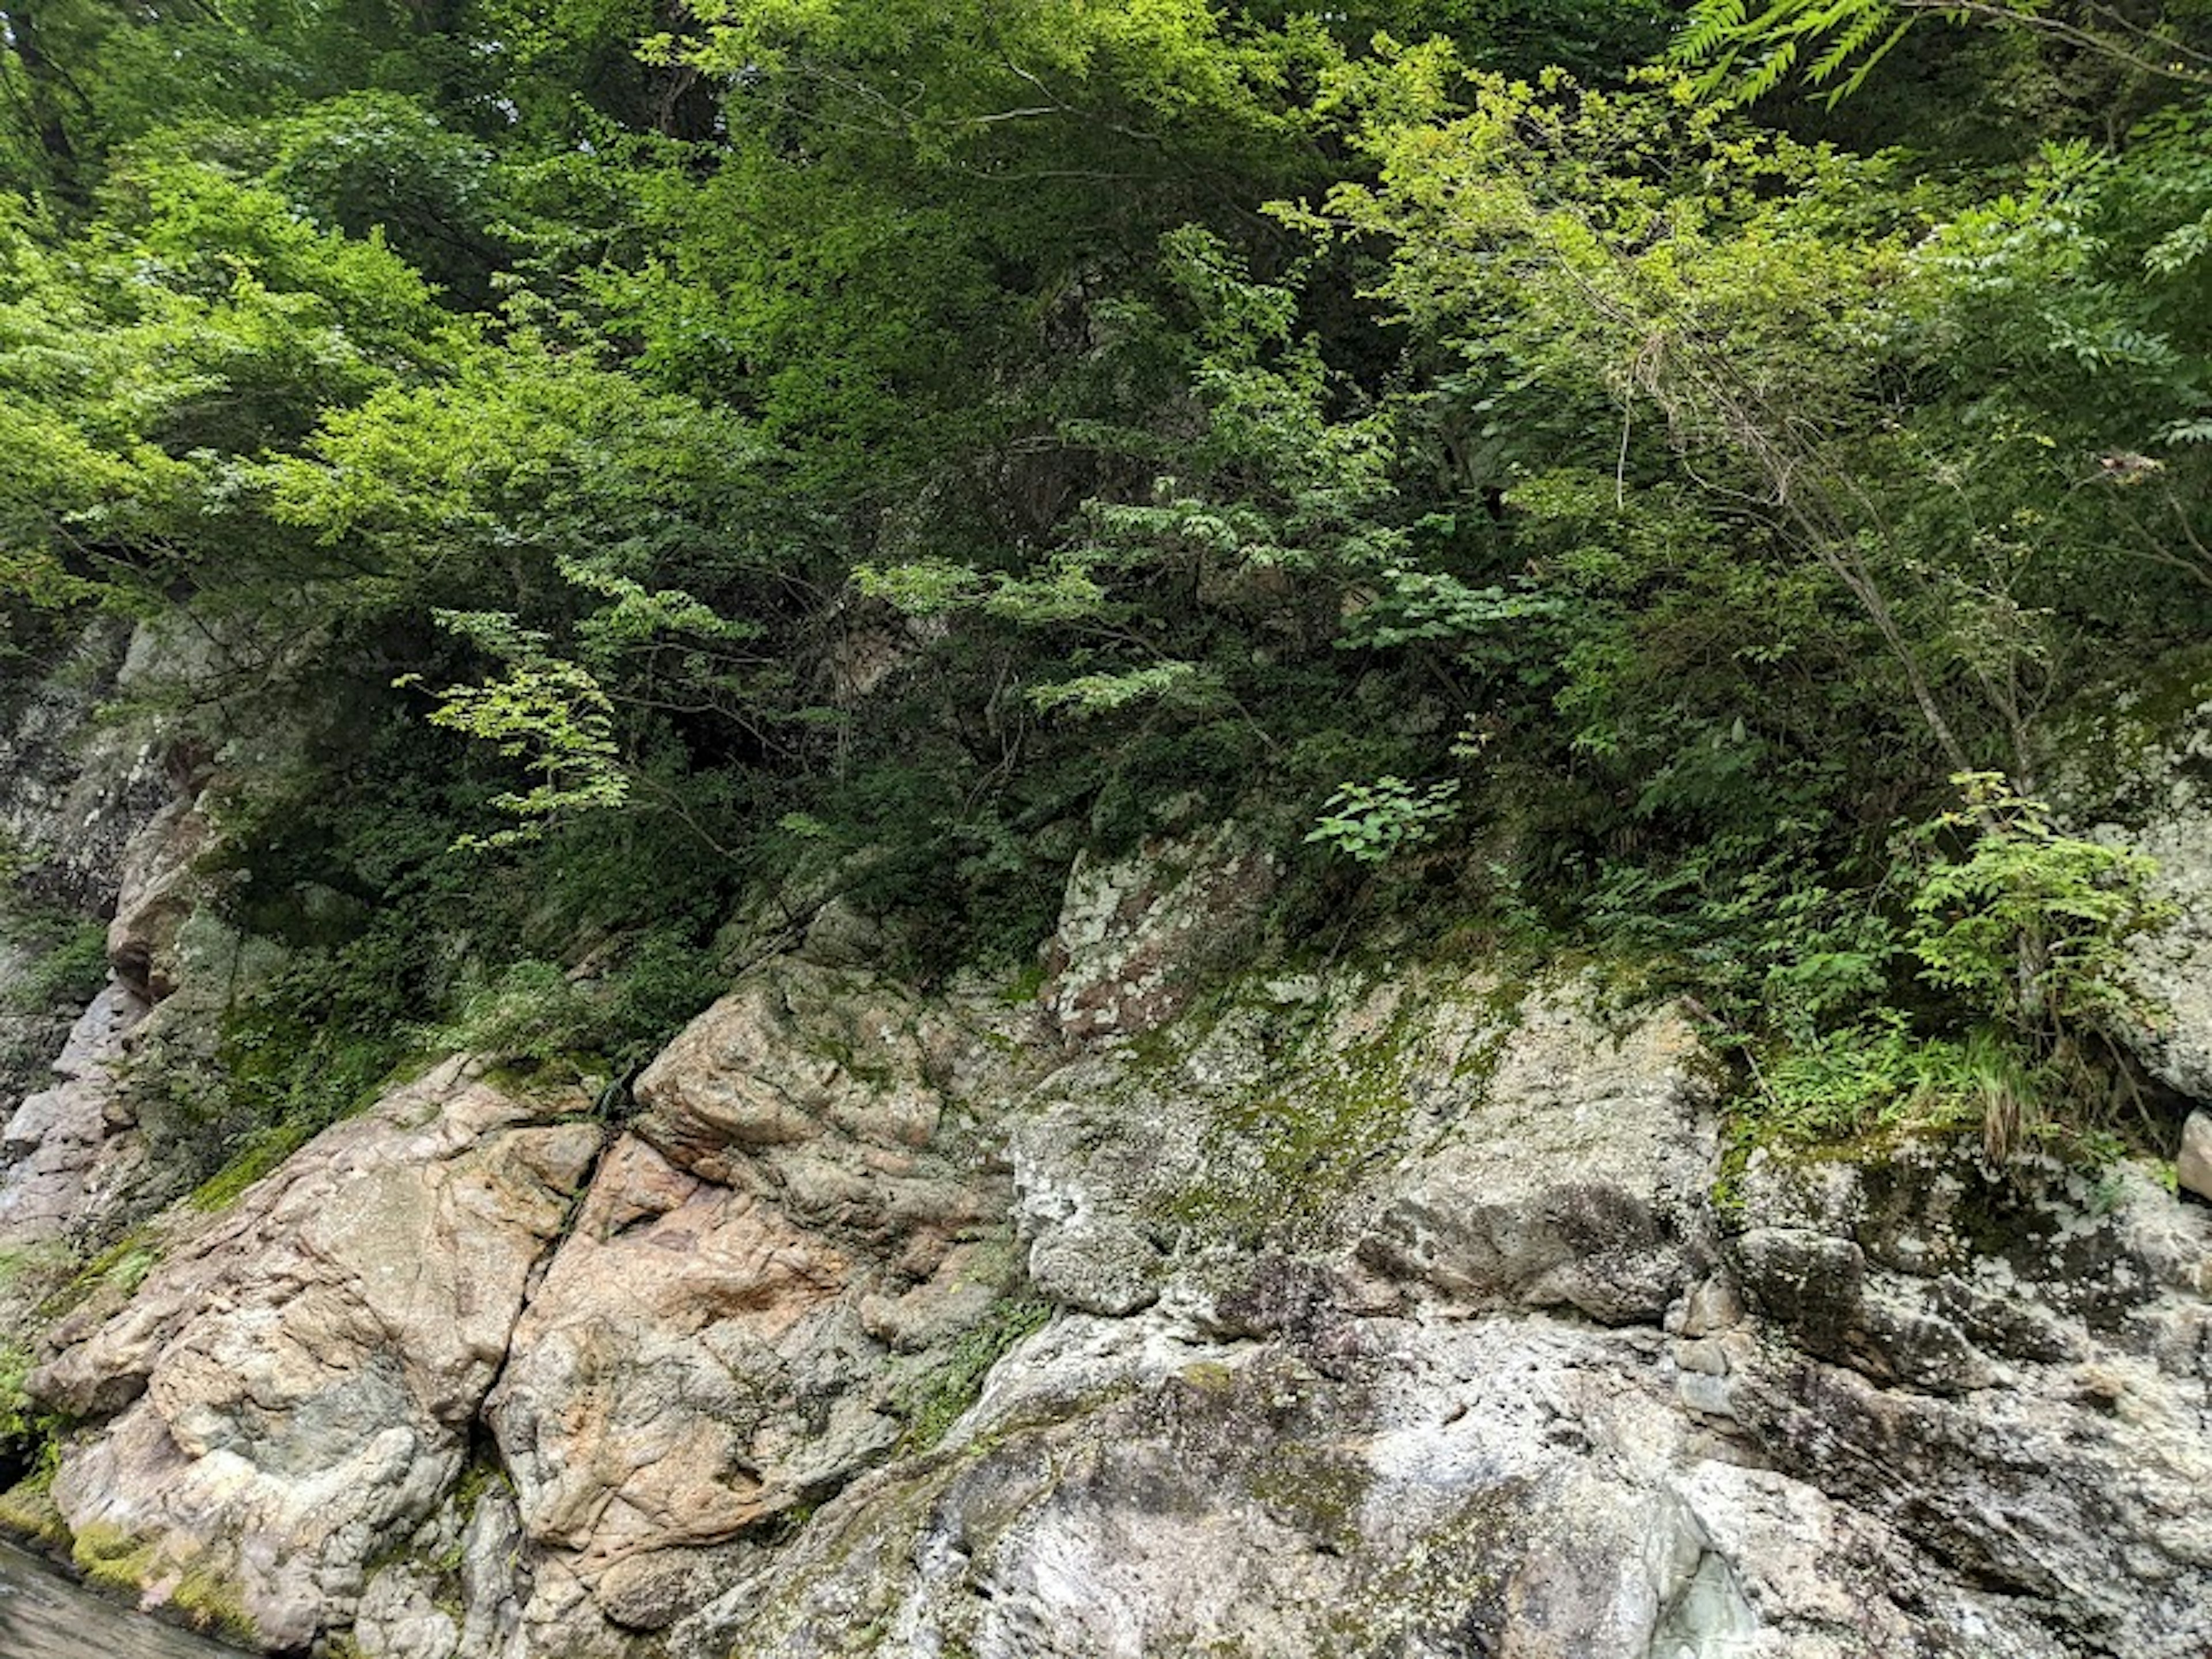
<point>1561,474</point>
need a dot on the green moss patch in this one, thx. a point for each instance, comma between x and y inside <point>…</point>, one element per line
<point>113,1559</point>
<point>1278,1159</point>
<point>212,1603</point>
<point>28,1510</point>
<point>261,1154</point>
<point>933,1400</point>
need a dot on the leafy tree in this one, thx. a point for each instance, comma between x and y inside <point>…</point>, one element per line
<point>1749,51</point>
<point>646,452</point>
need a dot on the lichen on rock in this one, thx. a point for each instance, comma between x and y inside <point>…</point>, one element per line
<point>291,1389</point>
<point>1378,1310</point>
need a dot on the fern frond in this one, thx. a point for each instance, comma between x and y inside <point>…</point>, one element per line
<point>1847,44</point>
<point>1769,72</point>
<point>1858,76</point>
<point>1711,24</point>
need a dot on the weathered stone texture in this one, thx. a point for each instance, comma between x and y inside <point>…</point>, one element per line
<point>1392,1315</point>
<point>60,1146</point>
<point>291,1391</point>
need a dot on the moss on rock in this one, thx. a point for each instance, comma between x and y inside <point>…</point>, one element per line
<point>27,1510</point>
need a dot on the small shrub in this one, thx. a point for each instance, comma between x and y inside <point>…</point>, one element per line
<point>1880,1075</point>
<point>67,966</point>
<point>531,1011</point>
<point>2029,929</point>
<point>1373,823</point>
<point>537,1012</point>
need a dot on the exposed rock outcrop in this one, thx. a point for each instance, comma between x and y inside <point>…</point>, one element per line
<point>2193,1165</point>
<point>158,894</point>
<point>1576,1177</point>
<point>96,820</point>
<point>761,1289</point>
<point>290,1393</point>
<point>75,789</point>
<point>1382,1311</point>
<point>1134,932</point>
<point>2013,1373</point>
<point>61,1151</point>
<point>2141,779</point>
<point>1517,1485</point>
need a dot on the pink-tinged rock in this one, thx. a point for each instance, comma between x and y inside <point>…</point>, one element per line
<point>659,1393</point>
<point>291,1391</point>
<point>805,1216</point>
<point>798,1052</point>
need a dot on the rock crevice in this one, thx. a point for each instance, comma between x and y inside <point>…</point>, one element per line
<point>1371,1313</point>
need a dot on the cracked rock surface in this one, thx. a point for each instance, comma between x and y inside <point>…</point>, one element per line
<point>1385,1311</point>
<point>291,1391</point>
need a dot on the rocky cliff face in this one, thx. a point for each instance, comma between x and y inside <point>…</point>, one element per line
<point>1397,1309</point>
<point>77,797</point>
<point>103,822</point>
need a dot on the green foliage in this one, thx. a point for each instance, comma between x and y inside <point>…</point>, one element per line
<point>933,1401</point>
<point>1625,298</point>
<point>1748,51</point>
<point>546,709</point>
<point>68,961</point>
<point>2024,933</point>
<point>540,1013</point>
<point>1101,694</point>
<point>643,462</point>
<point>374,164</point>
<point>2030,927</point>
<point>1373,823</point>
<point>532,1012</point>
<point>17,1415</point>
<point>1879,1077</point>
<point>261,1153</point>
<point>1832,47</point>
